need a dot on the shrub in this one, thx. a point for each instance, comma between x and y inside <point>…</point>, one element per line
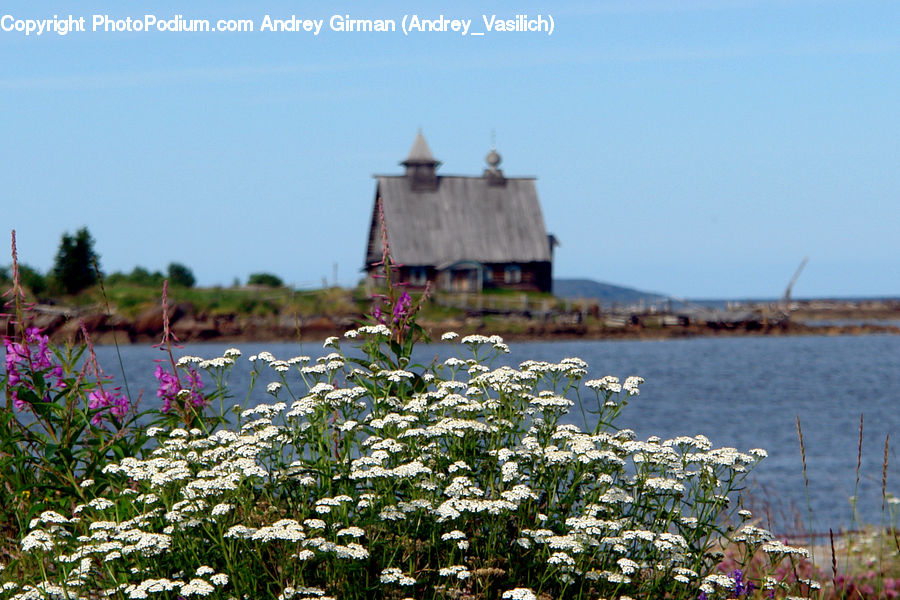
<point>138,276</point>
<point>265,279</point>
<point>32,279</point>
<point>141,276</point>
<point>180,275</point>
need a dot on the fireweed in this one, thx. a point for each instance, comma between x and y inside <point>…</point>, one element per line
<point>362,478</point>
<point>61,423</point>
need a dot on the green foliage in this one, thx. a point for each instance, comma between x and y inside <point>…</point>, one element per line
<point>73,267</point>
<point>115,278</point>
<point>58,428</point>
<point>138,276</point>
<point>265,279</point>
<point>180,275</point>
<point>32,279</point>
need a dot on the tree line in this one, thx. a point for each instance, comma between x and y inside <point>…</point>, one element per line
<point>76,267</point>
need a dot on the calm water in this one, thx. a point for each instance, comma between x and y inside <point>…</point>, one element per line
<point>745,392</point>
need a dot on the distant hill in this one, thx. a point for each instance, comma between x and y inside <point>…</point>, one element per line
<point>604,293</point>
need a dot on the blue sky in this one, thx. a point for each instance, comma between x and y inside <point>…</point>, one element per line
<point>697,148</point>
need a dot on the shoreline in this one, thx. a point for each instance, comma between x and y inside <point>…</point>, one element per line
<point>189,327</point>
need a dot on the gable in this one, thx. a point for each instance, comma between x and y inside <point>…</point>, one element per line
<point>463,219</point>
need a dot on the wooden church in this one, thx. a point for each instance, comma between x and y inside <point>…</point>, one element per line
<point>461,233</point>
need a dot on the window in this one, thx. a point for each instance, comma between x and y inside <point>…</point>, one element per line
<point>418,276</point>
<point>512,274</point>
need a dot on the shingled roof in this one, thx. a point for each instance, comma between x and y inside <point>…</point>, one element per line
<point>487,219</point>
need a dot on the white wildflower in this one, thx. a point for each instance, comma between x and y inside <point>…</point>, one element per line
<point>777,547</point>
<point>519,594</point>
<point>280,366</point>
<point>395,575</point>
<point>197,587</point>
<point>627,566</point>
<point>561,558</point>
<point>352,532</point>
<point>631,385</point>
<point>458,571</point>
<point>39,539</point>
<point>100,504</point>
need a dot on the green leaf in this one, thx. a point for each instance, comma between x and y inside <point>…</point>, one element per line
<point>50,451</point>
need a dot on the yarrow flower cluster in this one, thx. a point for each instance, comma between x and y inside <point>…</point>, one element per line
<point>376,478</point>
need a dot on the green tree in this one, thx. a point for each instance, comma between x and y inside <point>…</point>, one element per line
<point>266,279</point>
<point>73,268</point>
<point>32,279</point>
<point>181,275</point>
<point>141,276</point>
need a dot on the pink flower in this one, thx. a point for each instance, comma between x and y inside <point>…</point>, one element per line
<point>169,386</point>
<point>100,399</point>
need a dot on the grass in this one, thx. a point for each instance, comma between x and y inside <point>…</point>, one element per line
<point>129,300</point>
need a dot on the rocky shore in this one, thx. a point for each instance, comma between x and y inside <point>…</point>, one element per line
<point>189,325</point>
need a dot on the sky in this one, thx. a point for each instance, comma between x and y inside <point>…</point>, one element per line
<point>698,148</point>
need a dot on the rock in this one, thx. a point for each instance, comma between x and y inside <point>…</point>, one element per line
<point>93,321</point>
<point>48,323</point>
<point>70,330</point>
<point>227,326</point>
<point>150,321</point>
<point>189,329</point>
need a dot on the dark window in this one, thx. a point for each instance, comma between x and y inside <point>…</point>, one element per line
<point>418,276</point>
<point>512,274</point>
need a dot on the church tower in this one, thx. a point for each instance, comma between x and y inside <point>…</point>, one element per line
<point>421,166</point>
